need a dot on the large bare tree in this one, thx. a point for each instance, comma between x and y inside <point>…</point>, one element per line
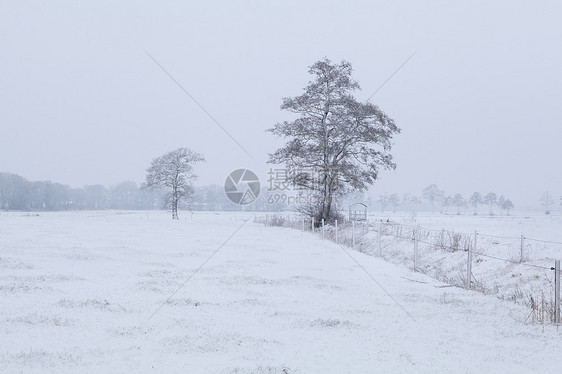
<point>336,144</point>
<point>174,172</point>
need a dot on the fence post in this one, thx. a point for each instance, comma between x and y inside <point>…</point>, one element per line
<point>469,262</point>
<point>312,224</point>
<point>322,228</point>
<point>522,247</point>
<point>353,233</point>
<point>336,231</point>
<point>379,239</point>
<point>557,291</point>
<point>303,224</point>
<point>415,247</point>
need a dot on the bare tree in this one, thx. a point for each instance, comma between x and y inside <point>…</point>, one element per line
<point>174,172</point>
<point>337,144</point>
<point>501,203</point>
<point>446,202</point>
<point>491,199</point>
<point>412,200</point>
<point>394,201</point>
<point>383,201</point>
<point>508,205</point>
<point>459,202</point>
<point>475,200</point>
<point>433,194</point>
<point>546,201</point>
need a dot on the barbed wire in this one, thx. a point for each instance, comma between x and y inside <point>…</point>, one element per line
<point>511,261</point>
<point>498,236</point>
<point>473,252</point>
<point>420,228</point>
<point>543,241</point>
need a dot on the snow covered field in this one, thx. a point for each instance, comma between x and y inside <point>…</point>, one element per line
<point>120,292</point>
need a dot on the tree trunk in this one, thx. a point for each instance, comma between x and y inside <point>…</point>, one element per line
<point>327,209</point>
<point>327,199</point>
<point>175,204</point>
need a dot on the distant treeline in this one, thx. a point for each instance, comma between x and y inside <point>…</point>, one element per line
<point>17,193</point>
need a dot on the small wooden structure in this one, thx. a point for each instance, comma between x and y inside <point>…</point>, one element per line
<point>358,212</point>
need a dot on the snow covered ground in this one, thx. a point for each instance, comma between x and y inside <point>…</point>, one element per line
<point>122,292</point>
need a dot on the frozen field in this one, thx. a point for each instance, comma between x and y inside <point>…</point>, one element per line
<point>97,292</point>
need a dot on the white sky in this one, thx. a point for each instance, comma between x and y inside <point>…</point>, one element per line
<point>479,103</point>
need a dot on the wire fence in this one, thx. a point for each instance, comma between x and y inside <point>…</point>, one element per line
<point>516,268</point>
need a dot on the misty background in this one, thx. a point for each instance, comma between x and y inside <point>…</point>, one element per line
<point>82,103</point>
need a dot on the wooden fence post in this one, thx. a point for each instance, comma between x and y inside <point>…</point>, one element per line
<point>322,228</point>
<point>415,247</point>
<point>469,262</point>
<point>379,239</point>
<point>336,231</point>
<point>353,233</point>
<point>522,247</point>
<point>557,291</point>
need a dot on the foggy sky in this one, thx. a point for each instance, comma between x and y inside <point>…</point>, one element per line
<point>82,103</point>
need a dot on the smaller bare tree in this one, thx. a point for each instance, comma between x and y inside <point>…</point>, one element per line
<point>459,202</point>
<point>433,194</point>
<point>412,200</point>
<point>394,201</point>
<point>546,201</point>
<point>501,204</point>
<point>508,205</point>
<point>383,201</point>
<point>446,202</point>
<point>475,200</point>
<point>491,199</point>
<point>174,172</point>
